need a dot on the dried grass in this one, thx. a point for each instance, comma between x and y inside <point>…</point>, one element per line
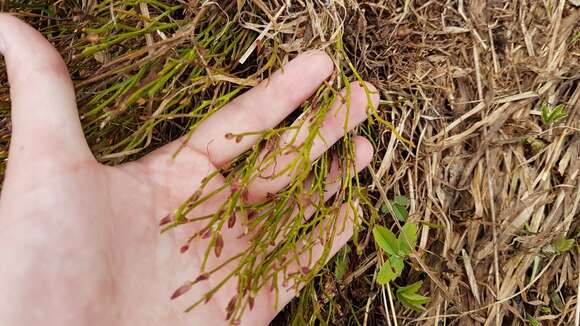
<point>491,183</point>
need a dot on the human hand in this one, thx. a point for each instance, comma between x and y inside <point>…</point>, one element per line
<point>80,242</point>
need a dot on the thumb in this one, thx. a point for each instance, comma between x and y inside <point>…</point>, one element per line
<point>45,122</point>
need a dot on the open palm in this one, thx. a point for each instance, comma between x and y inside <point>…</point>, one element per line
<point>80,242</point>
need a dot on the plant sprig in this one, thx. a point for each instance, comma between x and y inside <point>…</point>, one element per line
<point>551,115</point>
<point>397,250</point>
<point>149,91</point>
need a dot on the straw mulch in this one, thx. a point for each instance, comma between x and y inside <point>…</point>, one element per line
<point>494,187</point>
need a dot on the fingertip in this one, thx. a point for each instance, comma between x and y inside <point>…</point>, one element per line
<point>42,94</point>
<point>9,25</point>
<point>366,93</point>
<point>27,52</point>
<point>5,21</point>
<point>363,152</point>
<point>317,60</point>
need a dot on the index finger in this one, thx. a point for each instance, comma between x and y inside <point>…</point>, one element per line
<point>261,108</point>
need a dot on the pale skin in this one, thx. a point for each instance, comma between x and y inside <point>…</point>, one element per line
<point>80,242</point>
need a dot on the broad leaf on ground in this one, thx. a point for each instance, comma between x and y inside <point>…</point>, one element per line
<point>386,273</point>
<point>386,239</point>
<point>408,296</point>
<point>407,239</point>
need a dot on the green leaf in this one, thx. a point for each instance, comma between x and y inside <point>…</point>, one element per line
<point>556,300</point>
<point>415,305</point>
<point>408,296</point>
<point>546,310</point>
<point>532,321</point>
<point>342,261</point>
<point>399,206</point>
<point>545,113</point>
<point>384,209</point>
<point>575,38</point>
<point>415,298</point>
<point>340,269</point>
<point>552,115</point>
<point>401,213</point>
<point>386,273</point>
<point>386,239</point>
<point>401,201</point>
<point>412,288</point>
<point>408,239</point>
<point>397,263</point>
<point>563,245</point>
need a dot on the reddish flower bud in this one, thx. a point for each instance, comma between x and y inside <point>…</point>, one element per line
<point>207,234</point>
<point>181,290</point>
<point>251,214</point>
<point>232,221</point>
<point>235,186</point>
<point>184,248</point>
<point>219,245</point>
<point>166,220</point>
<point>251,302</point>
<point>230,307</point>
<point>245,194</point>
<point>201,277</point>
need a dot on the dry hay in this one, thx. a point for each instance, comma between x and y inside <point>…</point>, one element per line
<point>492,184</point>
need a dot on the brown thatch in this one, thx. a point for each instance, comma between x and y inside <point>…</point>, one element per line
<point>494,185</point>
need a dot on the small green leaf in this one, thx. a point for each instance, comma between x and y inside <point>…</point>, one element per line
<point>414,301</point>
<point>401,201</point>
<point>408,239</point>
<point>532,321</point>
<point>563,245</point>
<point>575,38</point>
<point>546,310</point>
<point>408,296</point>
<point>399,206</point>
<point>384,209</point>
<point>386,239</point>
<point>554,114</point>
<point>411,288</point>
<point>414,297</point>
<point>556,300</point>
<point>545,113</point>
<point>400,213</point>
<point>386,273</point>
<point>397,263</point>
<point>342,261</point>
